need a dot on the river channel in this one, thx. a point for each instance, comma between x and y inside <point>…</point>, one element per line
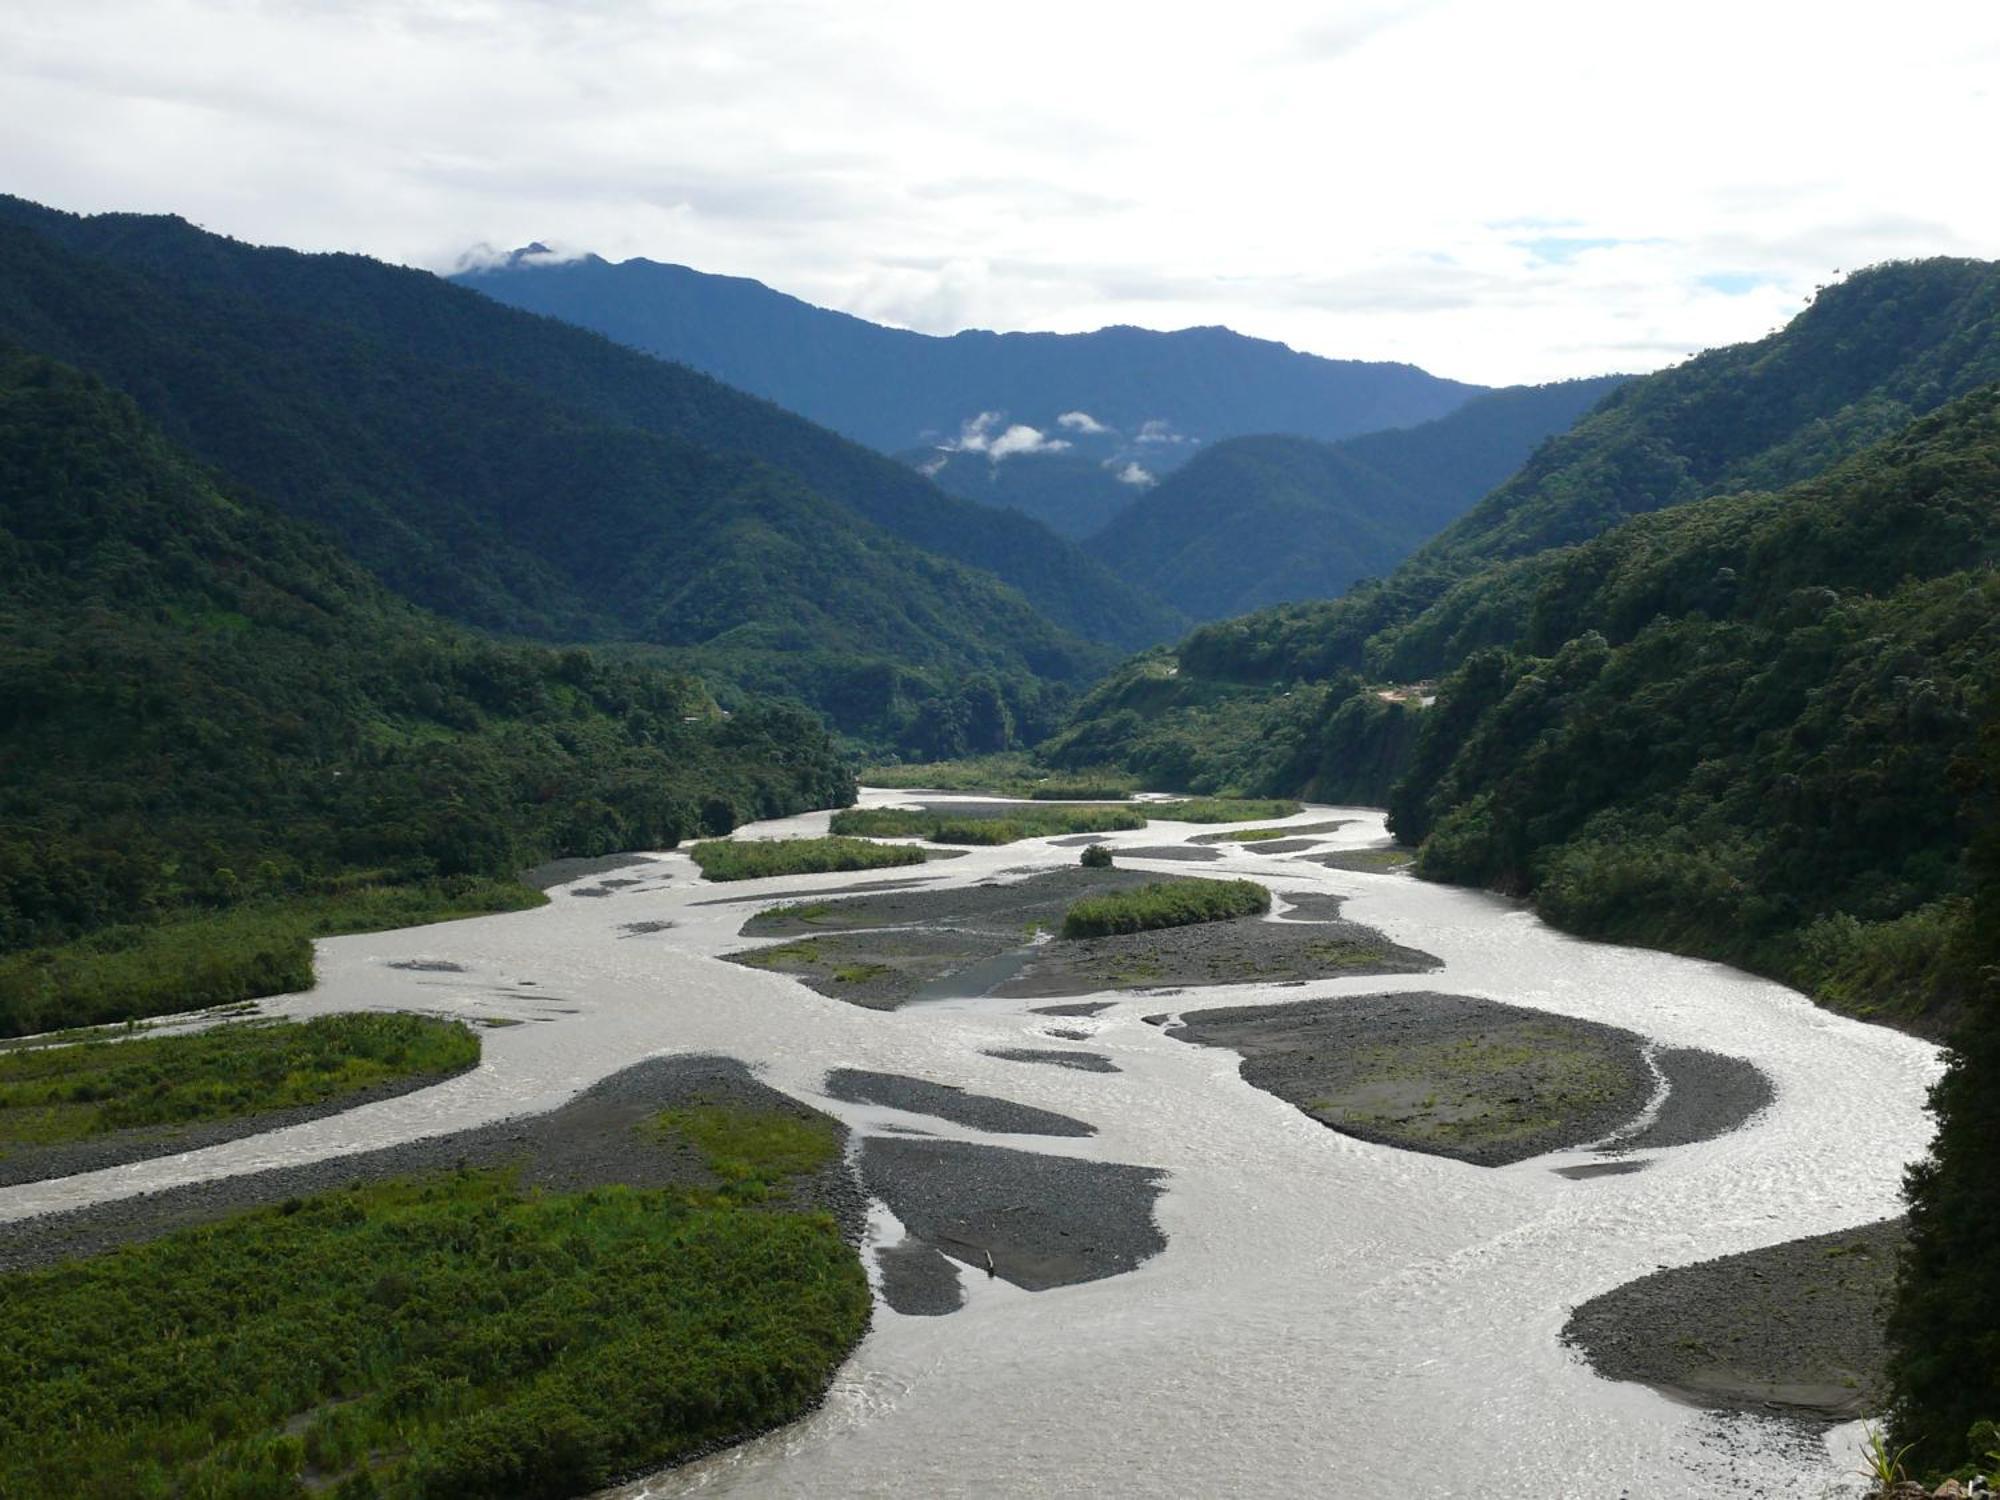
<point>1329,1317</point>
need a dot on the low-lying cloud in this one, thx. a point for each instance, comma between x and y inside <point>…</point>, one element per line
<point>978,436</point>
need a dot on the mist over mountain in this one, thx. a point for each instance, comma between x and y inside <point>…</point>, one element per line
<point>1161,395</point>
<point>1256,521</point>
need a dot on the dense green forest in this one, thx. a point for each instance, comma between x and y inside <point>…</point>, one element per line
<point>1733,727</point>
<point>205,709</point>
<point>1258,520</point>
<point>533,479</point>
<point>1284,700</point>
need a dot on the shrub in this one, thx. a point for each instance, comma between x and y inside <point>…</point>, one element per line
<point>1165,903</point>
<point>1097,857</point>
<point>753,859</point>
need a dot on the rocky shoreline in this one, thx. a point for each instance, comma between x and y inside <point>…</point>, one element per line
<point>1793,1330</point>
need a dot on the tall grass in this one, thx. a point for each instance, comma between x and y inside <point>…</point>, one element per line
<point>1164,903</point>
<point>52,1094</point>
<point>449,1337</point>
<point>753,859</point>
<point>220,958</point>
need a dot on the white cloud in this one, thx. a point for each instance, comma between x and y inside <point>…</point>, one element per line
<point>1023,439</point>
<point>1161,432</point>
<point>1081,421</point>
<point>977,436</point>
<point>918,165</point>
<point>1135,475</point>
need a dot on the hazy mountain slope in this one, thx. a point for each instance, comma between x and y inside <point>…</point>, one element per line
<point>893,389</point>
<point>1255,521</point>
<point>338,325</point>
<point>203,703</point>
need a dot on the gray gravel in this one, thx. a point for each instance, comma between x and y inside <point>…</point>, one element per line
<point>1795,1329</point>
<point>589,1142</point>
<point>1044,1220</point>
<point>1378,860</point>
<point>1186,852</point>
<point>1058,1057</point>
<point>120,1148</point>
<point>774,897</point>
<point>1429,1072</point>
<point>1311,906</point>
<point>949,1102</point>
<point>1235,835</point>
<point>562,871</point>
<point>1709,1096</point>
<point>1248,950</point>
<point>919,1280</point>
<point>1074,1008</point>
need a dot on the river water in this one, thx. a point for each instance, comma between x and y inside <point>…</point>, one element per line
<point>1329,1317</point>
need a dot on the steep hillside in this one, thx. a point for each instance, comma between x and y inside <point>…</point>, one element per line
<point>1735,726</point>
<point>1889,343</point>
<point>205,708</point>
<point>894,389</point>
<point>1259,520</point>
<point>492,464</point>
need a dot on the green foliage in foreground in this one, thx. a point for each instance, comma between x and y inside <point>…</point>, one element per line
<point>192,961</point>
<point>1944,1331</point>
<point>1223,810</point>
<point>1165,903</point>
<point>1010,826</point>
<point>753,859</point>
<point>1010,775</point>
<point>455,1337</point>
<point>50,1094</point>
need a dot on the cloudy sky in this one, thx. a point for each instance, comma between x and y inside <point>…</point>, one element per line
<point>1498,190</point>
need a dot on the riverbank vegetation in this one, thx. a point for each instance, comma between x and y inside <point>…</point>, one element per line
<point>54,1094</point>
<point>1165,903</point>
<point>443,1336</point>
<point>753,859</point>
<point>197,959</point>
<point>948,825</point>
<point>1012,774</point>
<point>206,712</point>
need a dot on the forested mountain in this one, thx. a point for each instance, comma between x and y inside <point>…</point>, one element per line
<point>205,706</point>
<point>1272,700</point>
<point>529,477</point>
<point>1256,521</point>
<point>1733,727</point>
<point>894,389</point>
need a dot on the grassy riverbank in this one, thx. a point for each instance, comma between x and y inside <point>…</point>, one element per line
<point>54,1094</point>
<point>455,1334</point>
<point>220,958</point>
